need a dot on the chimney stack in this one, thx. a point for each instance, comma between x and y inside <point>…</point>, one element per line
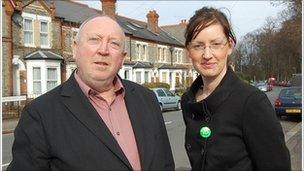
<point>183,22</point>
<point>108,8</point>
<point>152,17</point>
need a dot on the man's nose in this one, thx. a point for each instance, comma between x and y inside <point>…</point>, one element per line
<point>103,48</point>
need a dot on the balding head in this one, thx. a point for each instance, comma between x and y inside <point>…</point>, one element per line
<point>91,20</point>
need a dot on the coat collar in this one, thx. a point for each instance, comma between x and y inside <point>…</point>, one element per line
<point>76,101</point>
<point>218,96</point>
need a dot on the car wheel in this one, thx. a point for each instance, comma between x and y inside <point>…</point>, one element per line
<point>178,105</point>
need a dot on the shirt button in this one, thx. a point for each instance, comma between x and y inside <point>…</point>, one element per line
<point>118,133</point>
<point>202,151</point>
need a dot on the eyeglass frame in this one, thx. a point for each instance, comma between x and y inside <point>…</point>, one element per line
<point>211,47</point>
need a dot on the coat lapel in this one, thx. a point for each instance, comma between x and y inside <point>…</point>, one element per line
<point>75,100</point>
<point>144,139</point>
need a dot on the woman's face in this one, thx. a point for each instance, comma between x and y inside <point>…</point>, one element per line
<point>209,51</point>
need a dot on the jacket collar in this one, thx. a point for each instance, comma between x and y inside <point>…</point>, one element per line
<point>219,95</point>
<point>76,101</point>
<point>78,104</point>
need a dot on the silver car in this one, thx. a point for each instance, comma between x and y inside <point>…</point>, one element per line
<point>166,99</point>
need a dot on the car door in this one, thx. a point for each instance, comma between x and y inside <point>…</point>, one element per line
<point>162,98</point>
<point>172,103</point>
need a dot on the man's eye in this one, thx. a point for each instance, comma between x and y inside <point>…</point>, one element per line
<point>93,40</point>
<point>114,44</point>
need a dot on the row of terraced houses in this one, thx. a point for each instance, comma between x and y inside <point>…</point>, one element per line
<point>38,34</point>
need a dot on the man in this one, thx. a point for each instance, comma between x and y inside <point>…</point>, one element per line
<point>95,120</point>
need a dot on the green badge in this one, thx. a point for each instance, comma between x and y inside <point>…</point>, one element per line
<point>205,132</point>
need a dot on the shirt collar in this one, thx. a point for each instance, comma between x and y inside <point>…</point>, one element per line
<point>118,86</point>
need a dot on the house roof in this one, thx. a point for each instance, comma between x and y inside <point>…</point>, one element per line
<point>42,54</point>
<point>176,31</point>
<point>143,65</point>
<point>167,66</point>
<point>77,13</point>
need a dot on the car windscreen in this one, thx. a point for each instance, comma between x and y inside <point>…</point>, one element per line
<point>294,92</point>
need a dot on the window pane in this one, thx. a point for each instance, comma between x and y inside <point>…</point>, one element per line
<point>43,39</point>
<point>50,85</point>
<point>28,37</point>
<point>164,77</point>
<point>146,76</point>
<point>44,27</point>
<point>28,24</point>
<point>36,73</point>
<point>37,87</point>
<point>52,73</point>
<point>160,93</point>
<point>138,77</point>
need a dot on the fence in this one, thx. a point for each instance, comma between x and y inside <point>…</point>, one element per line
<point>12,106</point>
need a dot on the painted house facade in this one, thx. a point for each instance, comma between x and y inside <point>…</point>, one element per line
<point>38,36</point>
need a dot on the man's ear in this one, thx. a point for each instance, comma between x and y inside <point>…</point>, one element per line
<point>124,55</point>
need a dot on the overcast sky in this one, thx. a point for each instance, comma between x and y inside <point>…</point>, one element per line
<point>245,16</point>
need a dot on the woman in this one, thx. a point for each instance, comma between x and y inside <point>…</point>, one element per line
<point>230,125</point>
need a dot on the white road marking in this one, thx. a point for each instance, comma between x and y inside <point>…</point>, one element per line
<point>169,122</point>
<point>293,131</point>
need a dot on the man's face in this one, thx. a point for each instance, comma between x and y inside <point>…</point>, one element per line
<point>99,53</point>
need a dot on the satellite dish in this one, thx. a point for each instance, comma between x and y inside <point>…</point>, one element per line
<point>17,19</point>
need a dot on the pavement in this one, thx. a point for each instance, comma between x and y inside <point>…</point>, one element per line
<point>9,125</point>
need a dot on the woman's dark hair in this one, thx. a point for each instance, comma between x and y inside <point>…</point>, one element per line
<point>205,17</point>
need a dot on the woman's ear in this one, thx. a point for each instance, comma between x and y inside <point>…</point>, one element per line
<point>231,46</point>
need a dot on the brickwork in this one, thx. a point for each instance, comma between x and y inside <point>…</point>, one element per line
<point>23,79</point>
<point>7,68</point>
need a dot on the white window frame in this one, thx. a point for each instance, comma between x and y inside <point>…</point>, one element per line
<point>44,33</point>
<point>179,55</point>
<point>43,64</point>
<point>162,53</point>
<point>38,80</point>
<point>141,52</point>
<point>32,31</point>
<point>51,80</point>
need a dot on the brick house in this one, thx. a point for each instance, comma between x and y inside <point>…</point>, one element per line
<point>38,35</point>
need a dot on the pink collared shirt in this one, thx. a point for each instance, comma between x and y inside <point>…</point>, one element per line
<point>116,117</point>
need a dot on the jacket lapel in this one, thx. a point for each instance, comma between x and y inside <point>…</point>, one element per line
<point>144,139</point>
<point>78,104</point>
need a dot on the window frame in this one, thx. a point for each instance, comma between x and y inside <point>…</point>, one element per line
<point>32,44</point>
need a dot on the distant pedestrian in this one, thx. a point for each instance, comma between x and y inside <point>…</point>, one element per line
<point>230,125</point>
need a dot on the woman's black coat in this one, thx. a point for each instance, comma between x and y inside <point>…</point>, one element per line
<point>245,133</point>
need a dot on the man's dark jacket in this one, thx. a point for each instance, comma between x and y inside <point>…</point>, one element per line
<point>61,130</point>
<point>245,133</point>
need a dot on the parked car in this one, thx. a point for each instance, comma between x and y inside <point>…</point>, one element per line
<point>263,86</point>
<point>289,102</point>
<point>166,99</point>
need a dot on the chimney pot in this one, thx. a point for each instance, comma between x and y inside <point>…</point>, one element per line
<point>108,8</point>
